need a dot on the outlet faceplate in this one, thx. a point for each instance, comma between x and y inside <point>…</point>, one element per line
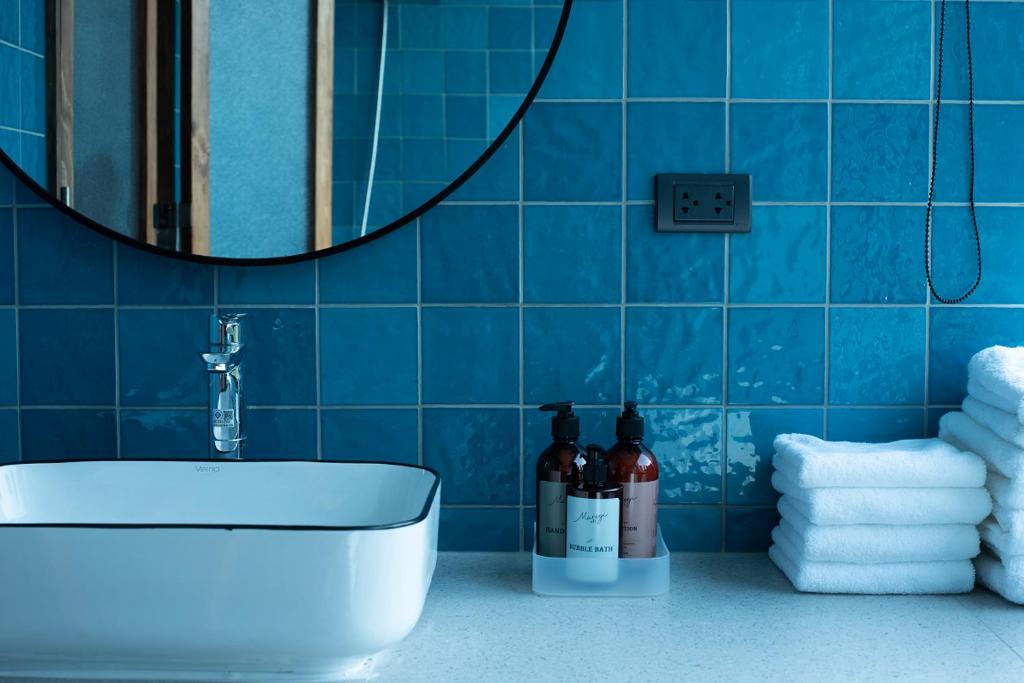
<point>702,202</point>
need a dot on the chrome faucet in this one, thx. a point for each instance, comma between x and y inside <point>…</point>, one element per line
<point>227,399</point>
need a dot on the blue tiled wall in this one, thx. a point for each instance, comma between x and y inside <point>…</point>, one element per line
<point>435,343</point>
<point>22,79</point>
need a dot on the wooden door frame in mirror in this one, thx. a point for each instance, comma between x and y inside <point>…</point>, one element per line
<point>507,131</point>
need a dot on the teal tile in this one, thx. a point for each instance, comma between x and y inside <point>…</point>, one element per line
<point>470,355</point>
<point>750,449</point>
<point>571,354</point>
<point>382,271</point>
<point>674,355</point>
<point>281,434</point>
<point>749,531</point>
<point>668,57</point>
<point>997,44</point>
<point>571,254</point>
<point>385,435</point>
<point>876,356</point>
<point>294,283</point>
<point>780,49</point>
<point>877,255</point>
<point>782,259</point>
<point>868,166</point>
<point>67,356</point>
<point>145,279</point>
<point>164,434</point>
<point>776,356</point>
<point>876,425</point>
<point>784,147</point>
<point>79,271</point>
<point>491,276</point>
<point>280,348</point>
<point>479,529</point>
<point>579,71</point>
<point>377,366</point>
<point>663,267</point>
<point>477,453</point>
<point>688,445</point>
<point>75,434</point>
<point>158,355</point>
<point>954,256</point>
<point>882,49</point>
<point>959,333</point>
<point>691,529</point>
<point>656,143</point>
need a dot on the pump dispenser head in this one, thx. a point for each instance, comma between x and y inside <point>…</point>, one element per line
<point>595,469</point>
<point>565,424</point>
<point>629,425</point>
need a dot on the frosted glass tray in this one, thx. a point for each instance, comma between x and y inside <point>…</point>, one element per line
<point>561,576</point>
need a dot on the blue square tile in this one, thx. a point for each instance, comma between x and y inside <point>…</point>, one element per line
<point>688,445</point>
<point>145,279</point>
<point>879,152</point>
<point>750,449</point>
<point>276,434</point>
<point>876,255</point>
<point>479,529</point>
<point>780,49</point>
<point>697,530</point>
<point>597,425</point>
<point>529,528</point>
<point>423,159</point>
<point>422,73</point>
<point>954,256</point>
<point>10,87</point>
<point>294,283</point>
<point>8,357</point>
<point>390,435</point>
<point>663,62</point>
<point>959,333</point>
<point>999,131</point>
<point>61,262</point>
<point>655,145</point>
<point>159,356</point>
<point>465,73</point>
<point>381,271</point>
<point>33,25</point>
<point>579,71</point>
<point>674,355</point>
<point>280,348</point>
<point>491,275</point>
<point>749,531</point>
<point>510,28</point>
<point>511,72</point>
<point>882,49</point>
<point>571,254</point>
<point>776,355</point>
<point>501,109</point>
<point>368,356</point>
<point>466,117</point>
<point>784,147</point>
<point>952,171</point>
<point>465,27</point>
<point>6,255</point>
<point>496,180</point>
<point>877,425</point>
<point>67,356</point>
<point>68,434</point>
<point>876,356</point>
<point>9,450</point>
<point>664,267</point>
<point>573,152</point>
<point>476,452</point>
<point>998,48</point>
<point>420,26</point>
<point>470,355</point>
<point>782,260</point>
<point>422,116</point>
<point>33,94</point>
<point>163,434</point>
<point>559,365</point>
<point>9,28</point>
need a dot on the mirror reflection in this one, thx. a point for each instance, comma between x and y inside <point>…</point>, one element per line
<point>268,128</point>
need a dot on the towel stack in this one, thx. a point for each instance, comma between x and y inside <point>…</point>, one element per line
<point>877,518</point>
<point>992,425</point>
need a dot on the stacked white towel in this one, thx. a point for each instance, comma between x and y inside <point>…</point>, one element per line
<point>992,425</point>
<point>877,518</point>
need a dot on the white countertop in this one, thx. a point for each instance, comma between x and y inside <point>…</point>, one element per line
<point>727,617</point>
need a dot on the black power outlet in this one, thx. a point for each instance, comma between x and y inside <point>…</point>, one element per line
<point>702,203</point>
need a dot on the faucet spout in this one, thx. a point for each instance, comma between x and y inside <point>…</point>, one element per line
<point>224,362</point>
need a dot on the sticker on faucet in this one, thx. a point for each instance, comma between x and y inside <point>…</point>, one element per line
<point>224,418</point>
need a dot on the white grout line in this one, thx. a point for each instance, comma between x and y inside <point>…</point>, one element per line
<point>928,294</point>
<point>827,340</point>
<point>723,457</point>
<point>623,217</point>
<point>317,362</point>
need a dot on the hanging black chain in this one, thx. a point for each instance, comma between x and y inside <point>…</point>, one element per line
<point>935,154</point>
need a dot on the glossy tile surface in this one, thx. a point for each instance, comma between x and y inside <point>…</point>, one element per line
<point>60,262</point>
<point>571,254</point>
<point>571,353</point>
<point>663,65</point>
<point>490,276</point>
<point>281,355</point>
<point>749,449</point>
<point>377,435</point>
<point>169,434</point>
<point>477,450</point>
<point>688,445</point>
<point>877,256</point>
<point>784,147</point>
<point>875,424</point>
<point>67,357</point>
<point>775,355</point>
<point>782,259</point>
<point>876,356</point>
<point>159,357</point>
<point>281,434</point>
<point>883,49</point>
<point>956,335</point>
<point>780,49</point>
<point>470,355</point>
<point>668,267</point>
<point>368,356</point>
<point>879,152</point>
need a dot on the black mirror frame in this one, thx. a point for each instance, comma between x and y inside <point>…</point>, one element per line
<point>516,119</point>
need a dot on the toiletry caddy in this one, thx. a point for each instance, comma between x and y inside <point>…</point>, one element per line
<point>607,542</point>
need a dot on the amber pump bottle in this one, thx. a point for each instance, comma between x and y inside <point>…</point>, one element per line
<point>557,469</point>
<point>633,465</point>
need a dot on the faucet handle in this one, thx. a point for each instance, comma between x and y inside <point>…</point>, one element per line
<point>223,357</point>
<point>226,328</point>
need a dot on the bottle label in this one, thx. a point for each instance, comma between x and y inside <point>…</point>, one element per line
<point>551,518</point>
<point>592,527</point>
<point>639,518</point>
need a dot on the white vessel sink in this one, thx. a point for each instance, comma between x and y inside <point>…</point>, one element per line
<point>210,570</point>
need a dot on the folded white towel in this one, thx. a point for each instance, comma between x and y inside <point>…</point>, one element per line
<point>886,506</point>
<point>811,462</point>
<point>872,579</point>
<point>1011,521</point>
<point>997,376</point>
<point>1007,492</point>
<point>1001,456</point>
<point>868,543</point>
<point>998,579</point>
<point>1004,424</point>
<point>1004,543</point>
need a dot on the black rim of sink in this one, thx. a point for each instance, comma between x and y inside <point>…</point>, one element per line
<point>517,118</point>
<point>230,527</point>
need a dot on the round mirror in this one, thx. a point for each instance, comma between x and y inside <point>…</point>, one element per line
<point>272,130</point>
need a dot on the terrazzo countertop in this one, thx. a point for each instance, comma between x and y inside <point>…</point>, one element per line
<point>726,618</point>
